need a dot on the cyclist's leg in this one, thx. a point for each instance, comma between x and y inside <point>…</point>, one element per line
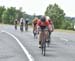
<point>21,27</point>
<point>40,37</point>
<point>26,26</point>
<point>34,30</point>
<point>15,27</point>
<point>49,34</point>
<point>46,34</point>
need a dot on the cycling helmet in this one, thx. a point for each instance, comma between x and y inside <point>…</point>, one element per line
<point>47,17</point>
<point>43,18</point>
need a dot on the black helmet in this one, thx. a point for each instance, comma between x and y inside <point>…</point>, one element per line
<point>43,18</point>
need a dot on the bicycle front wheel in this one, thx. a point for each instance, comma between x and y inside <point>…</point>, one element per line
<point>43,47</point>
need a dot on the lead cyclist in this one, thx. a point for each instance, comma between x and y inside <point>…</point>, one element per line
<point>43,23</point>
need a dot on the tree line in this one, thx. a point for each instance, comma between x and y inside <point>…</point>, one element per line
<point>58,17</point>
<point>7,16</point>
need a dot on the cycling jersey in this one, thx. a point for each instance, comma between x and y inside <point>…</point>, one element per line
<point>50,22</point>
<point>40,23</point>
<point>26,22</point>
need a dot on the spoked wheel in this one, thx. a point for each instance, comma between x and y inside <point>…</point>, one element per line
<point>43,47</point>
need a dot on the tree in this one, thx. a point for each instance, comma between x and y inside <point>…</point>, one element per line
<point>9,15</point>
<point>5,17</point>
<point>56,14</point>
<point>2,9</point>
<point>68,23</point>
<point>19,13</point>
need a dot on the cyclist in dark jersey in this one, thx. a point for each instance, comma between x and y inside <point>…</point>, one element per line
<point>26,24</point>
<point>15,23</point>
<point>21,24</point>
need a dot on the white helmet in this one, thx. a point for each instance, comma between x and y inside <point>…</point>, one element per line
<point>47,17</point>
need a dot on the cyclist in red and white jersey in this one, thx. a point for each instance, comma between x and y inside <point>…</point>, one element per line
<point>43,24</point>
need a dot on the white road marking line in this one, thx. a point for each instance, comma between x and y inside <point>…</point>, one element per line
<point>24,49</point>
<point>64,39</point>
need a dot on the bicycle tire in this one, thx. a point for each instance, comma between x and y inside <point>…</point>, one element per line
<point>44,49</point>
<point>43,46</point>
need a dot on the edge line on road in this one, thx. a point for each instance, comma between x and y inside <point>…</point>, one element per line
<point>21,45</point>
<point>64,39</point>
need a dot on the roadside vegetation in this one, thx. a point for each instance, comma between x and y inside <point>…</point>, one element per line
<point>57,14</point>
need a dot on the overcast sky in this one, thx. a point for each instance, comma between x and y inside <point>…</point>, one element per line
<point>39,6</point>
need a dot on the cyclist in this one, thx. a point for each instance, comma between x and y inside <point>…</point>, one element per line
<point>15,23</point>
<point>43,23</point>
<point>34,25</point>
<point>21,24</point>
<point>52,26</point>
<point>50,22</point>
<point>26,24</point>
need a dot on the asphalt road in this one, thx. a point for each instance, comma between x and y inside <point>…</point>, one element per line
<point>62,47</point>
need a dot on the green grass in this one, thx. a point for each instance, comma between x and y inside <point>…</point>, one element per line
<point>62,30</point>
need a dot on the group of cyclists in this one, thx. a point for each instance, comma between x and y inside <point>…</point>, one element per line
<point>38,24</point>
<point>22,22</point>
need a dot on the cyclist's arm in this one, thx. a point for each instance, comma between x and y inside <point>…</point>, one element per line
<point>51,27</point>
<point>33,25</point>
<point>38,24</point>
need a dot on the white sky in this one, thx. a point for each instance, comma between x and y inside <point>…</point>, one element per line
<point>39,6</point>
